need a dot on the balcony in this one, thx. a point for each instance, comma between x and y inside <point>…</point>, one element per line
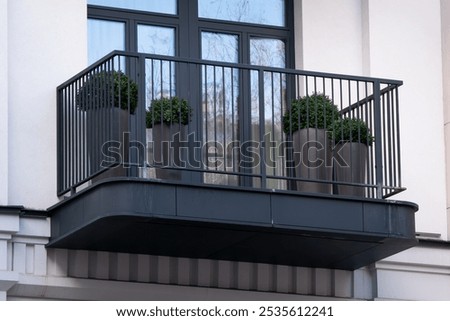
<point>201,159</point>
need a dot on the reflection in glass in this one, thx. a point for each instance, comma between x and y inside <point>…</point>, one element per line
<point>220,88</point>
<point>267,52</point>
<point>159,6</point>
<point>156,40</point>
<point>220,47</point>
<point>271,53</point>
<point>251,11</point>
<point>160,74</point>
<point>103,37</point>
<point>160,82</point>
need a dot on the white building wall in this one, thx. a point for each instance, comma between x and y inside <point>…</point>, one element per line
<point>46,46</point>
<point>420,273</point>
<point>405,43</point>
<point>9,225</point>
<point>4,102</point>
<point>332,36</point>
<point>445,27</point>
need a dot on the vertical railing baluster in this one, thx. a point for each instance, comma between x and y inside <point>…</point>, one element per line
<point>272,137</point>
<point>93,115</point>
<point>141,108</point>
<point>394,138</point>
<point>215,114</point>
<point>71,142</point>
<point>399,174</point>
<point>262,147</point>
<point>366,112</point>
<point>283,90</point>
<point>287,91</point>
<point>205,116</point>
<point>103,108</point>
<point>390,137</point>
<point>78,138</point>
<point>224,123</point>
<point>385,138</point>
<point>378,140</point>
<point>233,134</point>
<point>372,150</point>
<point>65,139</point>
<point>59,133</point>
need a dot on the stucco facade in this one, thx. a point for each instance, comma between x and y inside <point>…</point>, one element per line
<point>44,43</point>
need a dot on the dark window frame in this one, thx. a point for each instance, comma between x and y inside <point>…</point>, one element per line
<point>188,27</point>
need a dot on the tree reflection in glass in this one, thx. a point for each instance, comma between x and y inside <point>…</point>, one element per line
<point>160,80</point>
<point>271,53</point>
<point>220,87</point>
<point>249,11</point>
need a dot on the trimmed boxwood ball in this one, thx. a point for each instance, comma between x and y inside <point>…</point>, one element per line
<point>313,111</point>
<point>106,89</point>
<point>351,130</point>
<point>168,111</point>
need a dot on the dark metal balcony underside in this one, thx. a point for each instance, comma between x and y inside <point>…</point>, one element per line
<point>224,223</point>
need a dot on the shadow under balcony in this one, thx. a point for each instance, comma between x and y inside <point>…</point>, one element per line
<point>256,205</point>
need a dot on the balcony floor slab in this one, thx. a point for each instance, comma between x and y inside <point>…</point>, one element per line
<point>229,223</point>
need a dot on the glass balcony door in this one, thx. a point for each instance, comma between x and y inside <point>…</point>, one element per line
<point>232,110</point>
<point>160,75</point>
<point>269,52</point>
<point>220,112</point>
<point>226,103</point>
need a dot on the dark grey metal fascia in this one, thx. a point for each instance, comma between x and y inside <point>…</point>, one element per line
<point>172,219</point>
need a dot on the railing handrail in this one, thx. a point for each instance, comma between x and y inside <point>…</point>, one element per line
<point>230,65</point>
<point>368,99</point>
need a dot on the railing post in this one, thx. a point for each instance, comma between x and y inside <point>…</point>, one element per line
<point>59,133</point>
<point>262,125</point>
<point>141,114</point>
<point>378,138</point>
<point>245,117</point>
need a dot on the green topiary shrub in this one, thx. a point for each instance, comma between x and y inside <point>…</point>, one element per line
<point>168,111</point>
<point>108,89</point>
<point>351,130</point>
<point>314,111</point>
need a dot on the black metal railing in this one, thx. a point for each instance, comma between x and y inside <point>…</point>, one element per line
<point>168,118</point>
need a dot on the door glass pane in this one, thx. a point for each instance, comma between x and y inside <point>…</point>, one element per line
<point>160,81</point>
<point>159,6</point>
<point>103,37</point>
<point>271,53</point>
<point>267,52</point>
<point>156,40</point>
<point>220,47</point>
<point>220,94</point>
<point>251,11</point>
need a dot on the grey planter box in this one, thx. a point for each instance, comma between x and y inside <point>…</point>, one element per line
<point>354,169</point>
<point>113,132</point>
<point>166,150</point>
<point>313,159</point>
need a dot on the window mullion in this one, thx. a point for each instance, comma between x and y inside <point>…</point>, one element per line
<point>131,35</point>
